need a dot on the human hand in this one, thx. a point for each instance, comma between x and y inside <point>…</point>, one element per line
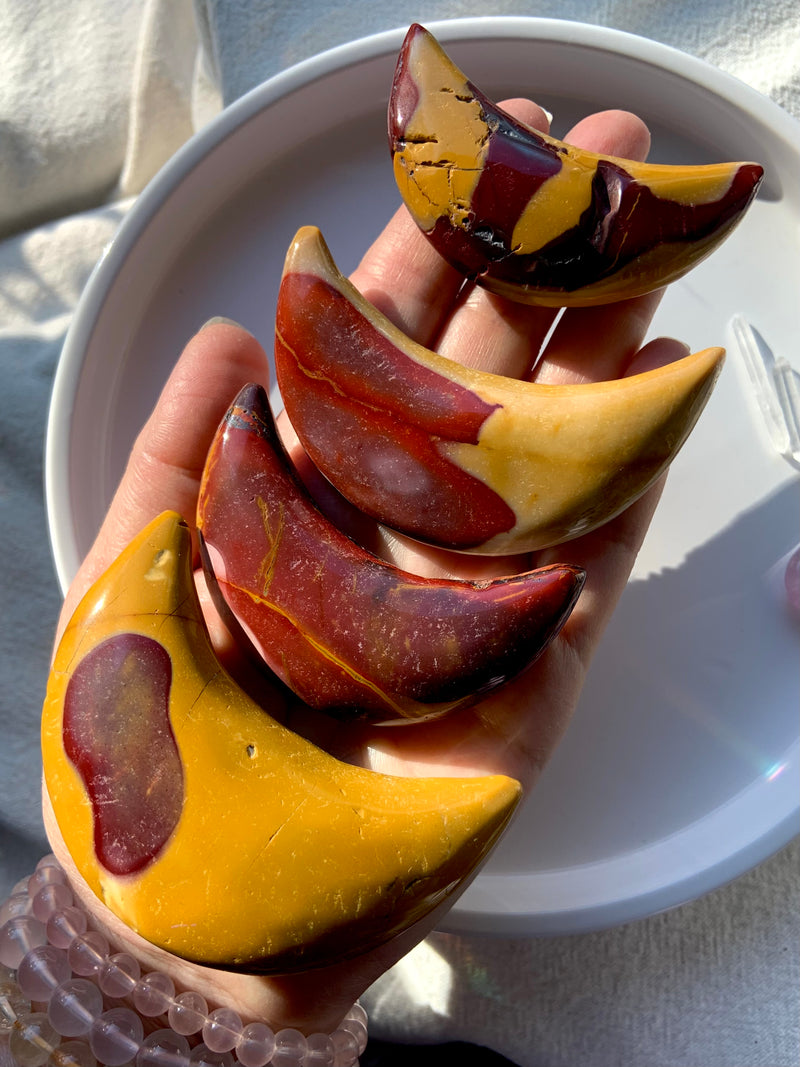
<point>514,730</point>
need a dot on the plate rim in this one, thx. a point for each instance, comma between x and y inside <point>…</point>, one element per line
<point>586,918</point>
<point>467,915</point>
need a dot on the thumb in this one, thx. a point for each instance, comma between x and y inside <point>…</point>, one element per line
<point>167,459</point>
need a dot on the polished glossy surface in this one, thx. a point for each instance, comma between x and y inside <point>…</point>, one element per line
<point>349,633</point>
<point>538,220</point>
<point>281,857</point>
<point>457,457</point>
<point>116,716</point>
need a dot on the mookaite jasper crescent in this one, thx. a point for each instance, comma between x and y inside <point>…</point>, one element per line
<point>534,218</point>
<point>461,458</point>
<point>346,631</point>
<point>267,854</point>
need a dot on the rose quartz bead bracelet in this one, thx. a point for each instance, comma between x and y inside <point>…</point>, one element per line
<point>66,1000</point>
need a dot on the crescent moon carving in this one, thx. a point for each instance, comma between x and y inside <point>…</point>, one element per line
<point>534,218</point>
<point>461,458</point>
<point>205,824</point>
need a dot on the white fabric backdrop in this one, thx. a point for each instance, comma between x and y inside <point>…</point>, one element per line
<point>94,98</point>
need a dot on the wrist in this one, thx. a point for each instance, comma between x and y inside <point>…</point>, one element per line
<point>70,992</point>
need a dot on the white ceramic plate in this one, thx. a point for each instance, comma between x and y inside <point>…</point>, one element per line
<point>681,769</point>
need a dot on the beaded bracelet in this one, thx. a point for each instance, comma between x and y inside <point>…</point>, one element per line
<point>66,1001</point>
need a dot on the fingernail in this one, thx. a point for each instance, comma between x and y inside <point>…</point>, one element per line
<point>220,320</point>
<point>549,115</point>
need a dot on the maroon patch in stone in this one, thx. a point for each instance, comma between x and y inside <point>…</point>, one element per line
<point>374,421</point>
<point>118,735</point>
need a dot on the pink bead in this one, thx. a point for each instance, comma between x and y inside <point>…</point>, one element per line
<point>290,1048</point>
<point>43,876</point>
<point>18,936</point>
<point>17,904</point>
<point>359,1032</point>
<point>345,1049</point>
<point>88,953</point>
<point>41,970</point>
<point>222,1030</point>
<point>202,1056</point>
<point>256,1045</point>
<point>73,1054</point>
<point>320,1051</point>
<point>187,1013</point>
<point>164,1048</point>
<point>152,995</point>
<point>32,1040</point>
<point>65,925</point>
<point>48,861</point>
<point>115,1037</point>
<point>74,1006</point>
<point>51,898</point>
<point>118,975</point>
<point>358,1012</point>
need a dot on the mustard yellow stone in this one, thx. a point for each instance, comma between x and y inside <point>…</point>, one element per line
<point>434,175</point>
<point>282,857</point>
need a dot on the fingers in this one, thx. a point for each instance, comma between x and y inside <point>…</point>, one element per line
<point>407,279</point>
<point>597,343</point>
<point>613,133</point>
<point>167,459</point>
<point>490,333</point>
<point>608,555</point>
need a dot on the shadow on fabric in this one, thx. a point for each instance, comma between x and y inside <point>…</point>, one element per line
<point>452,1054</point>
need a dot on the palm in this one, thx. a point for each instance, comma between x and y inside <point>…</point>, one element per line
<point>515,729</point>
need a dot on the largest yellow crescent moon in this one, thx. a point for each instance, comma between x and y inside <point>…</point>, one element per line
<point>210,828</point>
